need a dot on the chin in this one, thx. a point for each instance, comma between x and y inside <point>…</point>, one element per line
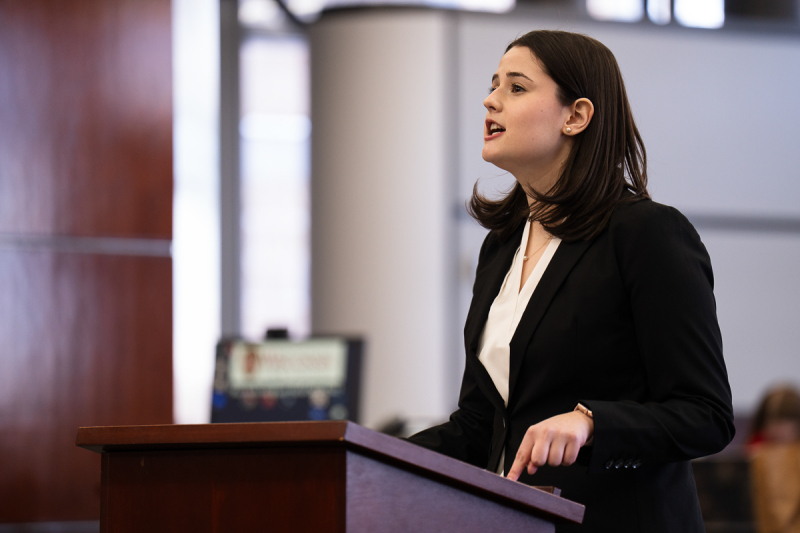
<point>488,156</point>
<point>494,159</point>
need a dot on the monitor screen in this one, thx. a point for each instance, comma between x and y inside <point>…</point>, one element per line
<point>283,380</point>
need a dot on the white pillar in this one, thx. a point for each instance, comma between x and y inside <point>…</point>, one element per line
<point>383,176</point>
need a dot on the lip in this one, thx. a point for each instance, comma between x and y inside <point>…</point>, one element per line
<point>488,126</point>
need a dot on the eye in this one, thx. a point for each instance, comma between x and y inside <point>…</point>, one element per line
<point>492,89</point>
<point>515,88</point>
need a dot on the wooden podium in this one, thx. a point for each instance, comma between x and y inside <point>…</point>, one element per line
<point>302,477</point>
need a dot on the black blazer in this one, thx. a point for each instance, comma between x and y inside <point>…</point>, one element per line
<point>625,324</point>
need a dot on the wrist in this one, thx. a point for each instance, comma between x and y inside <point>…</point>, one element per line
<point>585,410</point>
<point>588,416</point>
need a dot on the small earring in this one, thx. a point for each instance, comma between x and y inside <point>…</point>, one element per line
<point>569,130</point>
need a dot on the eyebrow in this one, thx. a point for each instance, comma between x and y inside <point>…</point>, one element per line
<point>512,75</point>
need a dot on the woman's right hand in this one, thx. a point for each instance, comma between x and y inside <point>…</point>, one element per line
<point>555,441</point>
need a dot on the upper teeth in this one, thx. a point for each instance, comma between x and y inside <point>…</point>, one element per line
<point>495,127</point>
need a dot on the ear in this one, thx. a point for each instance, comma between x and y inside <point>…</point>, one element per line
<point>581,113</point>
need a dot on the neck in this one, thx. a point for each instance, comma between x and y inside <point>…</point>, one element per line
<point>540,182</point>
<point>540,186</point>
<point>541,179</point>
<point>537,232</point>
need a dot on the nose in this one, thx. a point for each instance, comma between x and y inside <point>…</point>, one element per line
<point>491,103</point>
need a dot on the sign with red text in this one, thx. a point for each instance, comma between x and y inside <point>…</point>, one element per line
<point>288,368</point>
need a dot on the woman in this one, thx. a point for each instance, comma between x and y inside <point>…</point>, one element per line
<point>777,419</point>
<point>594,357</point>
<point>774,450</point>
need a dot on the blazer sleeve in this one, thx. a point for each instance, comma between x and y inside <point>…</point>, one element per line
<point>668,278</point>
<point>467,435</point>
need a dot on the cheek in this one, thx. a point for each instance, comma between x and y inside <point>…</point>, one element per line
<point>553,117</point>
<point>540,132</point>
<point>541,123</point>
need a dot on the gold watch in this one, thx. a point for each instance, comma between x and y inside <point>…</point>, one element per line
<point>583,409</point>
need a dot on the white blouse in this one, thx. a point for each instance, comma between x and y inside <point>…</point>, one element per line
<point>494,350</point>
<point>504,315</point>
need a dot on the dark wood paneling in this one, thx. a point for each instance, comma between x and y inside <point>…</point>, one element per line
<point>86,340</point>
<point>85,150</point>
<point>86,117</point>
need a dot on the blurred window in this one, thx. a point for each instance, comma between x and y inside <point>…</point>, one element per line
<point>691,13</point>
<point>274,140</point>
<point>700,13</point>
<point>310,10</point>
<point>659,11</point>
<point>619,10</point>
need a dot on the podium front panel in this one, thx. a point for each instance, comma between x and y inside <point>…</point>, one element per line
<point>199,491</point>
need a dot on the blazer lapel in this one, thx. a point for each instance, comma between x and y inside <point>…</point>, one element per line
<point>565,258</point>
<point>488,282</point>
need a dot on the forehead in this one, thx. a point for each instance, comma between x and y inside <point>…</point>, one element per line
<point>519,59</point>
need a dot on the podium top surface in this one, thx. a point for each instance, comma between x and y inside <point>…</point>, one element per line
<point>344,434</point>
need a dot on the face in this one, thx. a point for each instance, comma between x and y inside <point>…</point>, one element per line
<point>525,127</point>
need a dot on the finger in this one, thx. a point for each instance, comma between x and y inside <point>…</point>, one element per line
<point>540,451</point>
<point>571,453</point>
<point>523,456</point>
<point>516,468</point>
<point>556,454</point>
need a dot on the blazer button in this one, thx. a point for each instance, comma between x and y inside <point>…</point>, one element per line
<point>628,463</point>
<point>609,463</point>
<point>637,463</point>
<point>619,463</point>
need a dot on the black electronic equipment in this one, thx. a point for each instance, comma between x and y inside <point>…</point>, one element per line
<point>278,380</point>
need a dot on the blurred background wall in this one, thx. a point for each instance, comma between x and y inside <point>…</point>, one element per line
<point>320,175</point>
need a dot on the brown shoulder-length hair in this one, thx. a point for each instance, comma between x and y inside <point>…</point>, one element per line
<point>780,403</point>
<point>607,164</point>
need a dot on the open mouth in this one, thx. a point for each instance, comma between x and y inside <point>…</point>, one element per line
<point>493,128</point>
